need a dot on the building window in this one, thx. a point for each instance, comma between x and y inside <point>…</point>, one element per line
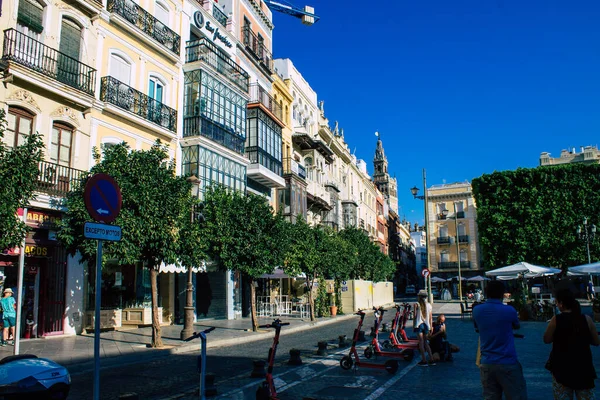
<point>60,144</point>
<point>161,13</point>
<point>19,125</point>
<point>120,69</point>
<point>461,230</point>
<point>444,257</point>
<point>69,71</point>
<point>263,144</point>
<point>155,92</point>
<point>464,256</point>
<point>443,231</point>
<point>212,168</point>
<point>30,18</point>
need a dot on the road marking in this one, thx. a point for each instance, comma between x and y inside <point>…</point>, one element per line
<point>395,379</point>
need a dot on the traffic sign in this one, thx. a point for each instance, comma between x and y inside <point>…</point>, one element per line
<point>102,197</point>
<point>101,232</point>
<point>424,272</point>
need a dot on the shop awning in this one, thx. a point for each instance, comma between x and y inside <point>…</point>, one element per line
<point>178,268</point>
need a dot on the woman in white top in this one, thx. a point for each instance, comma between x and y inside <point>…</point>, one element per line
<point>422,325</point>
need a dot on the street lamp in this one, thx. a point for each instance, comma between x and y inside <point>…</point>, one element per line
<point>588,232</point>
<point>188,321</point>
<point>445,214</point>
<point>415,190</point>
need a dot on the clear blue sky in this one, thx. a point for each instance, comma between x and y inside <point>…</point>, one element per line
<point>461,88</point>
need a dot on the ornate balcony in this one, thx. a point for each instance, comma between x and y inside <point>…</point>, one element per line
<point>257,48</point>
<point>30,53</point>
<point>291,166</point>
<point>258,95</point>
<point>219,15</point>
<point>56,180</point>
<point>463,238</point>
<point>146,22</point>
<point>460,214</point>
<point>443,240</point>
<point>202,126</point>
<point>123,96</point>
<point>453,264</point>
<point>204,50</point>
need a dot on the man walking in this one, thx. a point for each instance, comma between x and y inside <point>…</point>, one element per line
<point>499,369</point>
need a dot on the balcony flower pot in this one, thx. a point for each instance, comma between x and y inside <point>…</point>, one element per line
<point>333,310</point>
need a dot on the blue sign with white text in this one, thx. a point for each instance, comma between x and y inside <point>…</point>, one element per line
<point>102,232</point>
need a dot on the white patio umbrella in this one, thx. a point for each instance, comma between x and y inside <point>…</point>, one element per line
<point>437,279</point>
<point>478,278</point>
<point>456,277</point>
<point>522,268</point>
<point>586,269</point>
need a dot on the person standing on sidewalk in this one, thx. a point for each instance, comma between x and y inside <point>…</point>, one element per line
<point>9,315</point>
<point>422,326</point>
<point>570,362</point>
<point>500,371</point>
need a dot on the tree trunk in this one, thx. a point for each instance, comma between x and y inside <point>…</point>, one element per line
<point>253,305</point>
<point>156,334</point>
<point>311,299</point>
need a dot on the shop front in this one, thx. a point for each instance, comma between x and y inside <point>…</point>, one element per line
<point>45,276</point>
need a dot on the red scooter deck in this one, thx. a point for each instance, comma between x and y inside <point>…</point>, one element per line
<point>407,351</point>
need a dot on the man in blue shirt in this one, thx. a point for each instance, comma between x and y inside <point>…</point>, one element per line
<point>499,369</point>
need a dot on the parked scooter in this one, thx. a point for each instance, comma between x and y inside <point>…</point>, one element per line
<point>346,362</point>
<point>266,390</point>
<point>399,324</point>
<point>407,351</point>
<point>202,359</point>
<point>401,335</point>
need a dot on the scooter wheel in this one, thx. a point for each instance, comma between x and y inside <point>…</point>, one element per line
<point>409,355</point>
<point>391,366</point>
<point>369,352</point>
<point>387,345</point>
<point>262,393</point>
<point>346,362</point>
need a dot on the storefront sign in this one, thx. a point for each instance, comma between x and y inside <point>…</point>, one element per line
<point>102,232</point>
<point>200,22</point>
<point>41,219</point>
<point>39,251</point>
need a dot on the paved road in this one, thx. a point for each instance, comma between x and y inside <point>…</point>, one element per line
<point>322,378</point>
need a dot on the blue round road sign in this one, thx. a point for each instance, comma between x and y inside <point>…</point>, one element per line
<point>102,197</point>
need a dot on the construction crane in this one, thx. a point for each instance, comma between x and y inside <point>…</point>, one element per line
<point>307,15</point>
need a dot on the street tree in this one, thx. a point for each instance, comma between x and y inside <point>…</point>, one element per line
<point>243,235</point>
<point>18,174</point>
<point>365,251</point>
<point>531,214</point>
<point>155,214</point>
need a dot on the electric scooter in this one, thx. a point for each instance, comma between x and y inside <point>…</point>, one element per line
<point>402,327</point>
<point>266,391</point>
<point>202,359</point>
<point>346,362</point>
<point>399,325</point>
<point>407,351</point>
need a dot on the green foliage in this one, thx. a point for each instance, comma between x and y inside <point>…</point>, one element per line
<point>368,263</point>
<point>322,300</point>
<point>155,216</point>
<point>18,174</point>
<point>532,214</point>
<point>338,295</point>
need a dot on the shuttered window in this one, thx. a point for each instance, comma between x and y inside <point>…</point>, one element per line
<point>120,69</point>
<point>162,14</point>
<point>70,39</point>
<point>30,15</point>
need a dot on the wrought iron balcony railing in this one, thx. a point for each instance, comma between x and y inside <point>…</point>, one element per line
<point>460,214</point>
<point>204,50</point>
<point>453,264</point>
<point>123,96</point>
<point>256,155</point>
<point>259,95</point>
<point>36,56</point>
<point>145,21</point>
<point>219,15</point>
<point>201,126</point>
<point>291,166</point>
<point>55,179</point>
<point>463,238</point>
<point>257,47</point>
<point>443,240</point>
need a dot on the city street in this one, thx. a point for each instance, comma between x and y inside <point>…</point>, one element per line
<point>320,377</point>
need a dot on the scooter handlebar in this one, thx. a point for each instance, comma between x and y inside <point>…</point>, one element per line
<point>196,335</point>
<point>212,328</point>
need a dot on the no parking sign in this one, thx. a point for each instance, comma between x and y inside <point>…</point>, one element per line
<point>425,273</point>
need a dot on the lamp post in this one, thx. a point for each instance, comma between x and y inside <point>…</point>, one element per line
<point>445,214</point>
<point>188,321</point>
<point>415,191</point>
<point>587,233</point>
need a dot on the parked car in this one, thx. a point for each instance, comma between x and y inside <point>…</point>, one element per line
<point>410,289</point>
<point>26,376</point>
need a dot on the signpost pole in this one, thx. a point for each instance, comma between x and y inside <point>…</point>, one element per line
<point>17,338</point>
<point>97,322</point>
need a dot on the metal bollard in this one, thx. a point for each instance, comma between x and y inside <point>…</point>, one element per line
<point>361,336</point>
<point>322,350</point>
<point>259,369</point>
<point>210,388</point>
<point>343,342</point>
<point>295,357</point>
<point>384,327</point>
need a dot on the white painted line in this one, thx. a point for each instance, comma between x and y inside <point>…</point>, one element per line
<point>376,394</point>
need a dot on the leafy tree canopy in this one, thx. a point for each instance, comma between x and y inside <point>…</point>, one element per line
<point>18,174</point>
<point>532,214</point>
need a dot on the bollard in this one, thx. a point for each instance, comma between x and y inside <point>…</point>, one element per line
<point>210,389</point>
<point>384,327</point>
<point>343,342</point>
<point>361,336</point>
<point>259,369</point>
<point>322,351</point>
<point>129,396</point>
<point>372,334</point>
<point>295,357</point>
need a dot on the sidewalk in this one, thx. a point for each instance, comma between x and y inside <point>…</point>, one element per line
<point>132,345</point>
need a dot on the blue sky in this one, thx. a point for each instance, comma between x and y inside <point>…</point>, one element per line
<point>460,88</point>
